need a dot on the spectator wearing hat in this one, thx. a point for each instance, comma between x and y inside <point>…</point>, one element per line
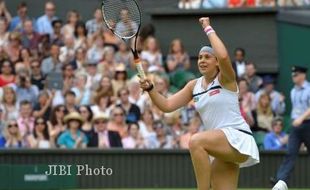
<point>277,99</point>
<point>132,111</point>
<point>134,140</point>
<point>276,139</point>
<point>300,133</point>
<point>253,79</point>
<point>73,137</point>
<point>104,138</point>
<point>44,23</point>
<point>120,78</point>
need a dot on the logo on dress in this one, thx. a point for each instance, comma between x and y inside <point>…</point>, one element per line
<point>196,99</point>
<point>214,92</point>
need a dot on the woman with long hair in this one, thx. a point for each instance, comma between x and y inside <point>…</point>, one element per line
<point>9,104</point>
<point>40,137</point>
<point>72,19</point>
<point>7,74</point>
<point>56,123</point>
<point>177,57</point>
<point>263,114</point>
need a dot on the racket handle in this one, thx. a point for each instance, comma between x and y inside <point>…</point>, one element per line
<point>139,68</point>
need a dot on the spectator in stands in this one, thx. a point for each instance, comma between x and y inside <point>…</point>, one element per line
<point>266,3</point>
<point>93,76</point>
<point>147,128</point>
<point>9,106</point>
<point>247,98</point>
<point>80,34</point>
<point>12,137</point>
<point>25,120</point>
<point>120,78</point>
<point>102,103</point>
<point>284,3</point>
<point>263,114</point>
<point>118,121</point>
<point>134,140</point>
<point>17,21</point>
<point>25,90</point>
<point>96,50</point>
<point>104,138</point>
<point>105,87</point>
<point>4,13</point>
<point>163,139</point>
<point>57,36</point>
<point>43,107</point>
<point>44,23</point>
<point>52,63</point>
<point>67,52</point>
<point>26,57</point>
<point>124,55</point>
<point>6,73</point>
<point>73,137</point>
<point>107,65</point>
<point>276,139</point>
<point>94,25</point>
<point>56,123</point>
<point>277,99</point>
<point>79,62</point>
<point>151,52</point>
<point>189,4</point>
<point>132,111</point>
<point>125,20</point>
<point>14,46</point>
<point>70,100</point>
<point>135,95</point>
<point>40,137</point>
<point>177,57</point>
<point>254,80</point>
<point>209,4</point>
<point>87,127</point>
<point>72,19</point>
<point>37,77</point>
<point>239,62</point>
<point>83,94</point>
<point>4,34</point>
<point>193,128</point>
<point>30,38</point>
<point>2,122</point>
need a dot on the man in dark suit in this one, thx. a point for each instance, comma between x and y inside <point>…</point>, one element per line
<point>239,62</point>
<point>104,138</point>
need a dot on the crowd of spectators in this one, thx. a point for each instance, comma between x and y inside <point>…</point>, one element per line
<point>70,84</point>
<point>209,4</point>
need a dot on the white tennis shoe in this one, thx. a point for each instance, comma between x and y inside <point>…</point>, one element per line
<point>281,185</point>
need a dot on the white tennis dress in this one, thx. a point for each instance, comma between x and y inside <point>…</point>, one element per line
<point>219,109</point>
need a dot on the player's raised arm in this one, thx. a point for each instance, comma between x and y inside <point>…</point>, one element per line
<point>181,98</point>
<point>227,74</point>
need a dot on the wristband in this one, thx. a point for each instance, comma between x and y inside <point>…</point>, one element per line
<point>208,30</point>
<point>149,88</point>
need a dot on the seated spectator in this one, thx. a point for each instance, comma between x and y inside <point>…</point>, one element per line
<point>83,94</point>
<point>193,128</point>
<point>134,140</point>
<point>263,114</point>
<point>96,24</point>
<point>9,106</point>
<point>107,65</point>
<point>147,129</point>
<point>30,39</point>
<point>135,95</point>
<point>189,4</point>
<point>177,57</point>
<point>67,52</point>
<point>70,100</point>
<point>254,80</point>
<point>26,56</point>
<point>25,90</point>
<point>37,77</point>
<point>80,34</point>
<point>2,122</point>
<point>6,73</point>
<point>57,37</point>
<point>73,137</point>
<point>96,49</point>
<point>87,127</point>
<point>14,46</point>
<point>276,139</point>
<point>16,23</point>
<point>44,23</point>
<point>124,55</point>
<point>40,137</point>
<point>93,76</point>
<point>125,21</point>
<point>12,136</point>
<point>277,99</point>
<point>68,76</point>
<point>120,78</point>
<point>209,4</point>
<point>247,98</point>
<point>43,107</point>
<point>56,123</point>
<point>52,63</point>
<point>118,122</point>
<point>102,103</point>
<point>104,138</point>
<point>163,139</point>
<point>132,111</point>
<point>73,18</point>
<point>4,34</point>
<point>79,62</point>
<point>239,62</point>
<point>151,52</point>
<point>4,13</point>
<point>25,120</point>
<point>105,87</point>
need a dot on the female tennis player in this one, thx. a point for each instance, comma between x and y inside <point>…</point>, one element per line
<point>228,144</point>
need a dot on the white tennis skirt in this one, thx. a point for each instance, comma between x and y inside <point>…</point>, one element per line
<point>244,143</point>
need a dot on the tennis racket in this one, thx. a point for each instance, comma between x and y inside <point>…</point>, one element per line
<point>123,18</point>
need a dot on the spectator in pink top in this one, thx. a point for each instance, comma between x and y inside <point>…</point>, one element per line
<point>193,128</point>
<point>25,120</point>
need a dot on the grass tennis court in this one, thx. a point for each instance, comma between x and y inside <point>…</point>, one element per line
<point>176,189</point>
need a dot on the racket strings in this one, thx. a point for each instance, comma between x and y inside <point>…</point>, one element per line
<point>122,16</point>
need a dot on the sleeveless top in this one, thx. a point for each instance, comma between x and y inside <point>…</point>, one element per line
<point>218,107</point>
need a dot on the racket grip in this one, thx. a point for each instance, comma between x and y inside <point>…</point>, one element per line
<point>139,68</point>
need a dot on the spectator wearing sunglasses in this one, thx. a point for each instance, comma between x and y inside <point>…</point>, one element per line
<point>12,136</point>
<point>40,137</point>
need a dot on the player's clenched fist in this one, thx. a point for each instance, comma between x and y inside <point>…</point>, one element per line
<point>204,21</point>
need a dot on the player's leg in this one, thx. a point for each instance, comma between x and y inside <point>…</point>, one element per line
<point>212,143</point>
<point>224,175</point>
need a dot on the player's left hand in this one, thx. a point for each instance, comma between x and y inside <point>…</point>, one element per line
<point>145,83</point>
<point>204,21</point>
<point>297,122</point>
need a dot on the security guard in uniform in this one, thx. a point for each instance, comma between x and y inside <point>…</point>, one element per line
<point>300,133</point>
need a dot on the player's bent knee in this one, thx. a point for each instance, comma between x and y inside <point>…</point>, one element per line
<point>196,141</point>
